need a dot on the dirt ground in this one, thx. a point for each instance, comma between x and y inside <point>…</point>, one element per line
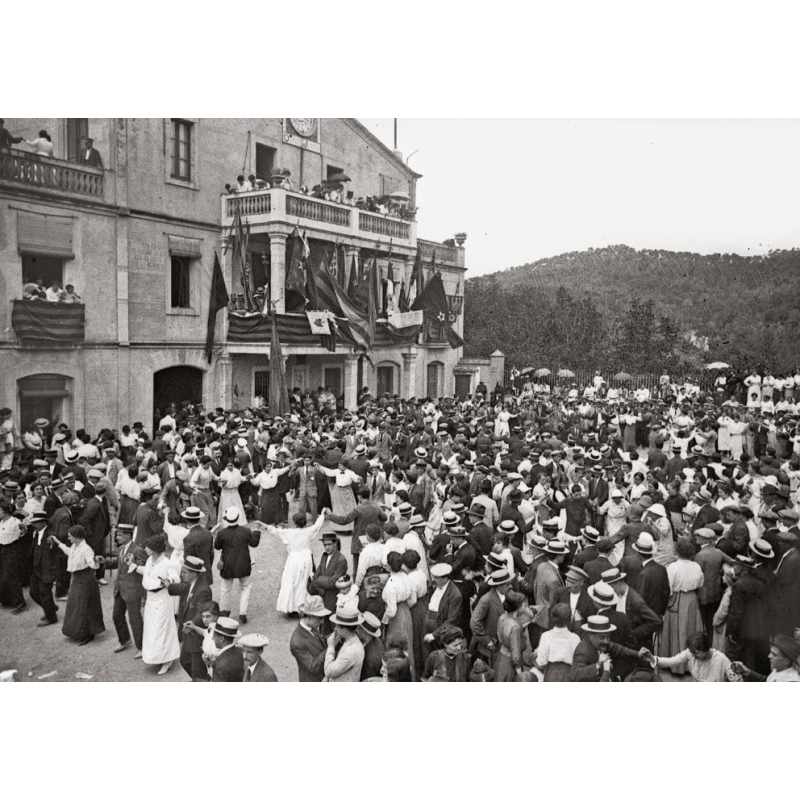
<point>35,652</point>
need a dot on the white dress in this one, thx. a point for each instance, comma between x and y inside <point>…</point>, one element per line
<point>160,641</point>
<point>229,497</point>
<point>298,567</point>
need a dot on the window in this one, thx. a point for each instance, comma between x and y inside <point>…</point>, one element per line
<point>261,384</point>
<point>385,379</point>
<point>332,376</point>
<point>77,131</point>
<point>181,150</point>
<point>44,268</point>
<point>389,185</point>
<point>180,282</point>
<point>265,161</point>
<point>435,374</point>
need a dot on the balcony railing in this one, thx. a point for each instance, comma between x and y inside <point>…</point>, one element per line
<point>445,253</point>
<point>280,206</point>
<point>17,166</point>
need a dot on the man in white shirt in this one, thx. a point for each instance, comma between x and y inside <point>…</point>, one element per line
<point>373,555</point>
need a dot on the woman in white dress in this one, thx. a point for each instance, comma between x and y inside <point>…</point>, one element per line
<point>229,481</point>
<point>501,427</point>
<point>160,641</point>
<point>399,597</point>
<point>299,565</point>
<point>736,431</point>
<point>342,498</point>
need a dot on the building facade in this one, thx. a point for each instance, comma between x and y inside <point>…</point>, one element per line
<point>136,235</point>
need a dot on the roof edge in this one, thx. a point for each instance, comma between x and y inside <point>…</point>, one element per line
<point>367,133</point>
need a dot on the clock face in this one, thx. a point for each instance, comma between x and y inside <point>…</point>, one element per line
<point>305,126</point>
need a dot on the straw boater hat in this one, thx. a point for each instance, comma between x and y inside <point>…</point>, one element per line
<point>590,534</point>
<point>314,607</point>
<point>405,509</point>
<point>612,575</point>
<point>762,548</point>
<point>230,519</point>
<point>507,527</point>
<point>371,625</point>
<point>226,626</point>
<point>192,514</point>
<point>499,578</point>
<point>598,624</point>
<point>602,594</point>
<point>347,617</point>
<point>450,519</point>
<point>417,521</point>
<point>495,562</point>
<point>194,563</point>
<point>556,547</point>
<point>457,533</point>
<point>644,544</point>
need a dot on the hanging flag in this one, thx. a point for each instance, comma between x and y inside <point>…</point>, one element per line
<point>433,272</point>
<point>278,390</point>
<point>361,294</point>
<point>241,259</point>
<point>406,319</point>
<point>374,305</point>
<point>296,272</point>
<point>415,284</point>
<point>433,301</point>
<point>319,321</point>
<point>329,341</point>
<point>334,264</point>
<point>353,282</point>
<point>218,300</point>
<point>390,298</point>
<point>402,301</point>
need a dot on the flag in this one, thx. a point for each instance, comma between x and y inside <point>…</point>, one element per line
<point>278,390</point>
<point>332,297</point>
<point>329,341</point>
<point>402,301</point>
<point>406,319</point>
<point>415,284</point>
<point>352,284</point>
<point>318,322</point>
<point>241,258</point>
<point>218,300</point>
<point>334,265</point>
<point>433,301</point>
<point>390,299</point>
<point>361,294</point>
<point>374,304</point>
<point>296,271</point>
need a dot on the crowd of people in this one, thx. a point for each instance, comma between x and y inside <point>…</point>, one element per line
<point>497,537</point>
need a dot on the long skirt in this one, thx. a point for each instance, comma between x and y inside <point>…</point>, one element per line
<point>230,498</point>
<point>127,510</point>
<point>269,506</point>
<point>296,573</point>
<point>419,614</point>
<point>343,502</point>
<point>556,672</point>
<point>504,671</point>
<point>680,622</point>
<point>402,624</point>
<point>84,614</point>
<point>160,641</point>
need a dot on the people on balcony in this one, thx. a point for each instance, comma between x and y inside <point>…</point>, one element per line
<point>88,156</point>
<point>43,146</point>
<point>6,138</point>
<point>53,294</point>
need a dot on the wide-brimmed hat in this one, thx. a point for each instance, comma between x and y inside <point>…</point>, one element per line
<point>612,575</point>
<point>347,616</point>
<point>598,624</point>
<point>231,517</point>
<point>556,547</point>
<point>257,640</point>
<point>72,457</point>
<point>644,544</point>
<point>507,527</point>
<point>657,509</point>
<point>329,536</point>
<point>498,578</point>
<point>314,607</point>
<point>602,594</point>
<point>360,450</point>
<point>762,548</point>
<point>496,563</point>
<point>405,509</point>
<point>477,510</point>
<point>450,519</point>
<point>441,570</point>
<point>417,521</point>
<point>226,627</point>
<point>41,422</point>
<point>192,514</point>
<point>590,534</point>
<point>457,533</point>
<point>39,516</point>
<point>371,625</point>
<point>194,563</point>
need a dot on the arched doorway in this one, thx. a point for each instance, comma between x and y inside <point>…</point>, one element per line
<point>174,385</point>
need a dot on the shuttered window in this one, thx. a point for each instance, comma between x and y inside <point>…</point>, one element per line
<point>44,234</point>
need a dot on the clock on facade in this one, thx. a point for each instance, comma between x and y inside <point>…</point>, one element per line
<point>304,126</point>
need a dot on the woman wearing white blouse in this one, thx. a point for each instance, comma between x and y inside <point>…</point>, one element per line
<point>83,618</point>
<point>129,491</point>
<point>399,598</point>
<point>342,498</point>
<point>160,642</point>
<point>230,480</point>
<point>269,503</point>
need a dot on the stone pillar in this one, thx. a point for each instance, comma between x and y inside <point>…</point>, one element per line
<point>277,271</point>
<point>410,373</point>
<point>351,382</point>
<point>223,378</point>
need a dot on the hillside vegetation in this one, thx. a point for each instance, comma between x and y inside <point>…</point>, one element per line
<point>639,310</point>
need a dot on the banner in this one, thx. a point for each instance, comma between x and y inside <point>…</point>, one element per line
<point>319,322</point>
<point>406,319</point>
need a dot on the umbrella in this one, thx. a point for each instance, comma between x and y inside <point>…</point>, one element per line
<point>566,373</point>
<point>540,373</point>
<point>622,376</point>
<point>400,196</point>
<point>526,370</point>
<point>718,365</point>
<point>339,178</point>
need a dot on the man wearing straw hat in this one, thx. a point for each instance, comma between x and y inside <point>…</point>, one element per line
<point>307,645</point>
<point>229,664</point>
<point>194,593</point>
<point>591,661</point>
<point>344,656</point>
<point>256,670</point>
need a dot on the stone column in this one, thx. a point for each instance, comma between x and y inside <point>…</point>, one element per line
<point>277,271</point>
<point>351,382</point>
<point>410,373</point>
<point>223,378</point>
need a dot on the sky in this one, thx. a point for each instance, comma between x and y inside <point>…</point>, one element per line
<point>526,189</point>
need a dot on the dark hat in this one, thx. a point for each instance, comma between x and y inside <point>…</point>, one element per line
<point>787,645</point>
<point>604,544</point>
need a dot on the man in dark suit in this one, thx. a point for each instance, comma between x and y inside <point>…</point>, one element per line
<point>444,604</point>
<point>306,487</point>
<point>149,521</point>
<point>332,566</point>
<point>169,469</point>
<point>256,670</point>
<point>54,469</point>
<point>480,534</point>
<point>200,543</point>
<point>598,494</point>
<point>229,664</point>
<point>597,566</point>
<point>706,513</point>
<point>462,558</point>
<point>235,541</point>
<point>574,595</point>
<point>365,514</point>
<point>128,591</point>
<point>644,621</point>
<point>592,659</point>
<point>96,521</point>
<point>738,533</point>
<point>486,614</point>
<point>307,645</point>
<point>359,464</point>
<point>652,583</point>
<point>88,156</point>
<point>45,569</point>
<point>377,484</point>
<point>194,592</point>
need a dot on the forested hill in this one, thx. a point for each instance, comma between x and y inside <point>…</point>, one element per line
<point>577,309</point>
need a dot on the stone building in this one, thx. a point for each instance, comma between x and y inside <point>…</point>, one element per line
<point>136,236</point>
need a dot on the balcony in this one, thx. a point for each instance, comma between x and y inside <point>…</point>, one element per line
<point>265,208</point>
<point>446,255</point>
<point>37,322</point>
<point>50,174</point>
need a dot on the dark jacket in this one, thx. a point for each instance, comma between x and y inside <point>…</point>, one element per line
<point>653,586</point>
<point>363,515</point>
<point>200,543</point>
<point>327,573</point>
<point>262,673</point>
<point>308,650</point>
<point>45,559</point>
<point>235,543</point>
<point>584,661</point>
<point>450,607</point>
<point>644,621</point>
<point>229,666</point>
<point>189,610</point>
<point>746,610</point>
<point>96,522</point>
<point>585,605</point>
<point>129,584</point>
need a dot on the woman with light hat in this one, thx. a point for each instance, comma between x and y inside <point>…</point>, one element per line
<point>230,480</point>
<point>656,515</point>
